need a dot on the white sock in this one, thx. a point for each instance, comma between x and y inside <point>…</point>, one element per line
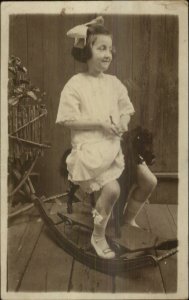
<point>98,236</point>
<point>132,210</point>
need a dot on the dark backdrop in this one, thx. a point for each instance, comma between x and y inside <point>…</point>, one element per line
<point>146,62</point>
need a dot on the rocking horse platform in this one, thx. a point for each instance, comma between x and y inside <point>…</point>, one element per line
<point>132,247</point>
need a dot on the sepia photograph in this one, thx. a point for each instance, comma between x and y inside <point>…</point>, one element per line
<point>94,153</point>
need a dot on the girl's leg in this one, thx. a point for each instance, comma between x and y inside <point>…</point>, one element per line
<point>109,195</point>
<point>146,183</point>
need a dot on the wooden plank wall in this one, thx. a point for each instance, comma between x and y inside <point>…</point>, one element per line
<point>146,62</point>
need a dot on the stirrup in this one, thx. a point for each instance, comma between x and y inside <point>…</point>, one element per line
<point>106,253</point>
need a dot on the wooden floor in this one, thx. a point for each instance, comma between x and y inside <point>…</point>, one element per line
<point>37,264</point>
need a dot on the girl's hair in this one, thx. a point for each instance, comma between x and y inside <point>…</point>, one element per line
<point>84,54</point>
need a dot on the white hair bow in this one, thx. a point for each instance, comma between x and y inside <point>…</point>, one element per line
<point>79,33</point>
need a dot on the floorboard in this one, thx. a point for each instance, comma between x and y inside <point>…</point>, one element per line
<point>173,209</point>
<point>51,265</point>
<point>59,270</point>
<point>18,260</point>
<point>15,236</point>
<point>162,224</point>
<point>36,263</point>
<point>167,191</point>
<point>85,279</point>
<point>143,280</point>
<point>161,221</point>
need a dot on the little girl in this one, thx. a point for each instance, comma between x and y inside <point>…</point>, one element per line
<point>97,109</point>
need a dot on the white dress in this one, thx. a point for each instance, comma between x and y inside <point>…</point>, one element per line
<point>96,158</point>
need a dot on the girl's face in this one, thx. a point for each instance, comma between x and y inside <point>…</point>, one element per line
<point>101,54</point>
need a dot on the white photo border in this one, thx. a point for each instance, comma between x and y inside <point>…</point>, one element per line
<point>178,8</point>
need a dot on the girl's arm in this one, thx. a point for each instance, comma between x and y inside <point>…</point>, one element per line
<point>124,121</point>
<point>83,125</point>
<point>92,125</point>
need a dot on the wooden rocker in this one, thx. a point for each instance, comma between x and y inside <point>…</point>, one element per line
<point>71,222</point>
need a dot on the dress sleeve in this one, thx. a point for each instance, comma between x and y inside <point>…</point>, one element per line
<point>124,104</point>
<point>69,106</point>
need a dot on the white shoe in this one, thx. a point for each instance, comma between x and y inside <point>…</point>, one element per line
<point>101,247</point>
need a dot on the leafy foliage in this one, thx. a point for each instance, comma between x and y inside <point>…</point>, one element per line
<point>20,88</point>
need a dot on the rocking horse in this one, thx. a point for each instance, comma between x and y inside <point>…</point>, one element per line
<point>131,245</point>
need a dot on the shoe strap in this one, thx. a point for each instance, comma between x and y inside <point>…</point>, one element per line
<point>97,217</point>
<point>106,250</point>
<point>99,239</point>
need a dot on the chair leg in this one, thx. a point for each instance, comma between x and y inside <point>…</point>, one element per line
<point>92,198</point>
<point>71,193</point>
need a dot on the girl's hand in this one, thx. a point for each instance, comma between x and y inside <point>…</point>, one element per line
<point>109,128</point>
<point>124,121</point>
